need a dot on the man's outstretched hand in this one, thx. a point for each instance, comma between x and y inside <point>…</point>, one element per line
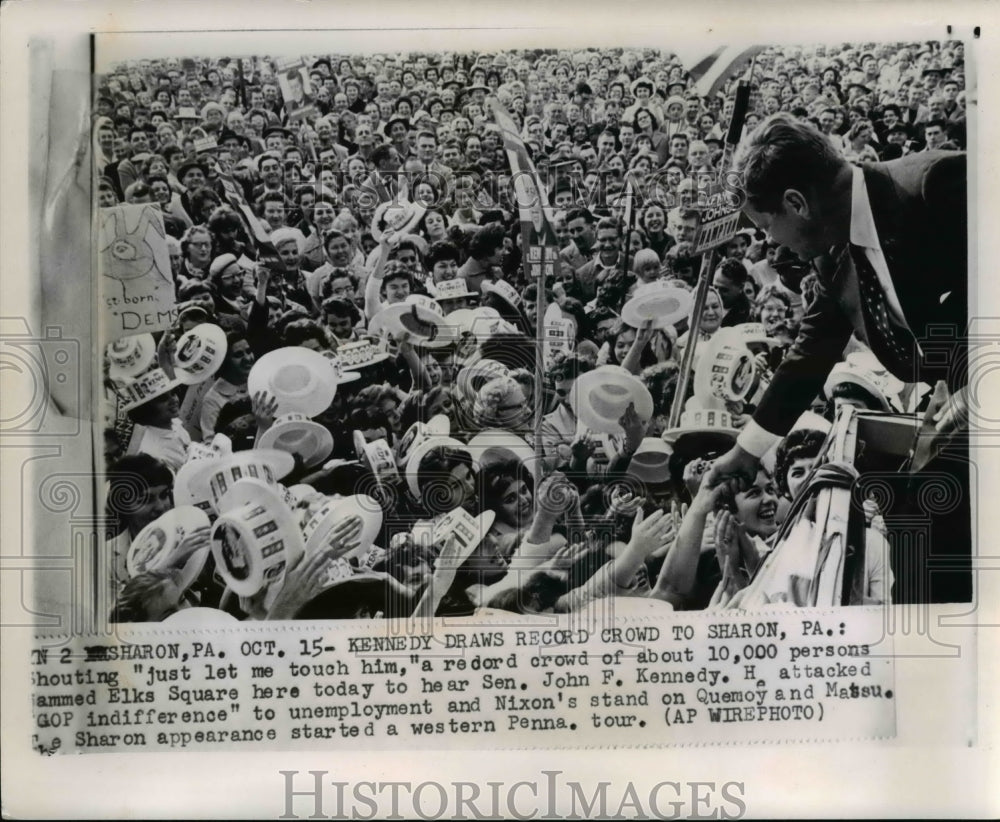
<point>736,467</point>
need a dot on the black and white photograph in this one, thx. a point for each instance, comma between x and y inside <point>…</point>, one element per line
<point>424,386</point>
<point>719,361</point>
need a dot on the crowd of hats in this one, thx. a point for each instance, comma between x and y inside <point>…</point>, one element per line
<point>281,427</point>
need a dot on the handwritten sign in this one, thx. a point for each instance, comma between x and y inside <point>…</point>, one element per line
<point>137,286</point>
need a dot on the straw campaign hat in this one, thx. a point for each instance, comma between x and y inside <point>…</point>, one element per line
<point>424,326</point>
<point>300,379</point>
<point>701,430</point>
<point>200,353</point>
<point>417,454</point>
<point>256,538</point>
<point>155,546</point>
<point>864,370</point>
<point>207,480</point>
<point>726,368</point>
<point>148,386</point>
<point>335,511</point>
<point>416,434</point>
<point>659,301</point>
<point>130,356</point>
<point>496,445</point>
<point>600,397</point>
<point>299,435</point>
<point>454,289</point>
<point>400,215</point>
<point>360,354</point>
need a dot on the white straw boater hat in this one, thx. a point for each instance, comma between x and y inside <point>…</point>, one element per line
<point>155,546</point>
<point>148,386</point>
<point>256,537</point>
<point>335,511</point>
<point>437,426</point>
<point>702,430</point>
<point>377,457</point>
<point>339,374</point>
<point>425,301</point>
<point>496,445</point>
<point>129,356</point>
<point>400,215</point>
<point>659,301</point>
<point>297,434</point>
<point>191,483</point>
<point>200,353</point>
<point>468,531</point>
<point>454,289</point>
<point>862,369</point>
<point>751,334</point>
<point>360,354</point>
<point>505,291</point>
<point>417,454</point>
<point>207,480</point>
<point>424,325</point>
<point>300,379</point>
<point>600,397</point>
<point>726,368</point>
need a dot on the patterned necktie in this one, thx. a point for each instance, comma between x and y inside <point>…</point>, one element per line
<point>893,344</point>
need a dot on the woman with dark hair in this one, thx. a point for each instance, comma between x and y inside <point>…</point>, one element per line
<point>306,334</point>
<point>654,221</point>
<point>139,491</point>
<point>228,236</point>
<point>507,490</point>
<point>645,122</point>
<point>422,406</point>
<point>446,480</point>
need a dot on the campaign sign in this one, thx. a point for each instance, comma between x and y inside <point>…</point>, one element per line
<point>136,282</point>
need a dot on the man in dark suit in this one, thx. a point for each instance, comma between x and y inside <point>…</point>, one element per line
<point>889,242</point>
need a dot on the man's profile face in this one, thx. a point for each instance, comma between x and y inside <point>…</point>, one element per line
<point>791,226</point>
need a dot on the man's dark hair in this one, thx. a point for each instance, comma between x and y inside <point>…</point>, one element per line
<point>734,271</point>
<point>486,240</point>
<point>607,222</point>
<point>784,153</point>
<point>578,213</point>
<point>443,250</point>
<point>340,307</point>
<point>381,153</point>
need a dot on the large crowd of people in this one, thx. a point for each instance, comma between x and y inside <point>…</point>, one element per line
<point>343,420</point>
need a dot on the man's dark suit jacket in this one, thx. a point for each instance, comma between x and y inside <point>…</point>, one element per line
<point>919,206</point>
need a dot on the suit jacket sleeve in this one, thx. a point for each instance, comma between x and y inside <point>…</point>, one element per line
<point>824,332</point>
